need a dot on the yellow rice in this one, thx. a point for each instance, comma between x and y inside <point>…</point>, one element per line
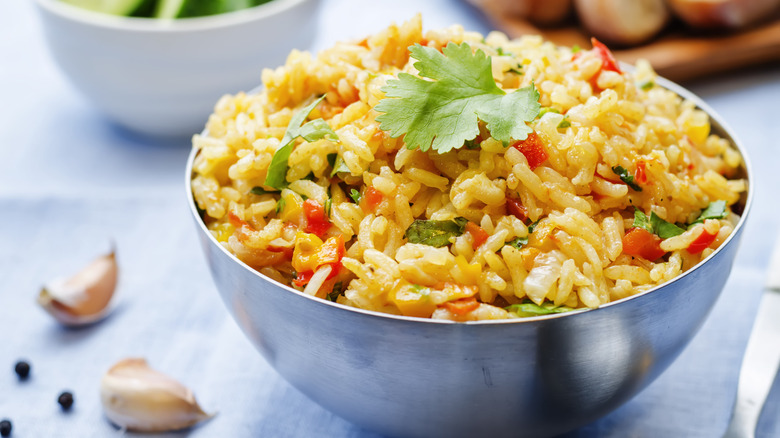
<point>574,256</point>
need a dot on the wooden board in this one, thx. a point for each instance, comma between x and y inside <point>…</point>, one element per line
<point>679,54</point>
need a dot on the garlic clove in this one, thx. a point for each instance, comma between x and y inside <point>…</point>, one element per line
<point>138,398</point>
<point>83,298</point>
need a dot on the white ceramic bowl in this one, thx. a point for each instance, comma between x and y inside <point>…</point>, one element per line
<point>163,77</point>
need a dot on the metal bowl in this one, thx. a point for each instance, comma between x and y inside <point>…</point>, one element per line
<point>404,376</point>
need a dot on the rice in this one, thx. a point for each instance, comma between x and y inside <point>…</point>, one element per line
<point>556,235</point>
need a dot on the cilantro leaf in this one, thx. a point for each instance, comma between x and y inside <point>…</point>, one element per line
<point>317,129</point>
<point>280,205</point>
<point>533,225</point>
<point>310,131</point>
<point>656,225</point>
<point>518,242</point>
<point>626,177</point>
<point>339,165</point>
<point>328,206</point>
<point>664,229</point>
<point>641,220</point>
<point>546,110</point>
<point>565,123</point>
<point>355,195</point>
<point>334,294</point>
<point>716,210</point>
<point>261,191</point>
<point>529,308</point>
<point>435,233</point>
<point>646,85</point>
<point>443,111</point>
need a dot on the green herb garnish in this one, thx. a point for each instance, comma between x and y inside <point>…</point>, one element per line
<point>664,229</point>
<point>626,177</point>
<point>532,227</point>
<point>309,131</point>
<point>565,123</point>
<point>335,292</point>
<point>716,210</point>
<point>280,205</point>
<point>328,206</point>
<point>546,110</point>
<point>339,166</point>
<point>646,85</point>
<point>261,191</point>
<point>443,111</point>
<point>529,308</point>
<point>575,48</point>
<point>656,225</point>
<point>435,233</point>
<point>518,242</point>
<point>355,195</point>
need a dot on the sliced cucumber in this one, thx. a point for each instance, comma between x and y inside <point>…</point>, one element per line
<point>169,8</point>
<point>198,8</point>
<point>114,7</point>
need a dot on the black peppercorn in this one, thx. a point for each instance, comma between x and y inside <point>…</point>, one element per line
<point>65,400</point>
<point>5,427</point>
<point>22,369</point>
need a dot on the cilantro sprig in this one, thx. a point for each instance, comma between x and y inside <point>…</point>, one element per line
<point>626,177</point>
<point>435,233</point>
<point>715,210</point>
<point>309,131</point>
<point>528,308</point>
<point>656,225</point>
<point>441,108</point>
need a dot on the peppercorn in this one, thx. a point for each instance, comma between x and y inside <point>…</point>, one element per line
<point>65,400</point>
<point>5,427</point>
<point>22,369</point>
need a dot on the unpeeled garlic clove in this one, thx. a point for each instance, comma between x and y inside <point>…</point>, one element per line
<point>83,298</point>
<point>138,398</point>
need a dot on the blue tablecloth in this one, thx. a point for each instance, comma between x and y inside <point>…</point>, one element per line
<point>71,183</point>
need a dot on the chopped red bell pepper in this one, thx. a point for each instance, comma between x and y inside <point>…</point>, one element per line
<point>642,243</point>
<point>516,208</point>
<point>533,149</point>
<point>237,221</point>
<point>462,306</point>
<point>640,176</point>
<point>316,219</point>
<point>478,235</point>
<point>372,198</point>
<point>702,242</point>
<point>608,61</point>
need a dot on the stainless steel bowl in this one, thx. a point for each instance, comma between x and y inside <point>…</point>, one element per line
<point>403,376</point>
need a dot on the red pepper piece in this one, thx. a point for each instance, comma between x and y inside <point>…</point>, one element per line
<point>372,198</point>
<point>533,149</point>
<point>517,209</point>
<point>702,242</point>
<point>642,243</point>
<point>316,219</point>
<point>608,61</point>
<point>478,235</point>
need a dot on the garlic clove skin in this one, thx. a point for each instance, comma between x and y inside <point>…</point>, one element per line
<point>138,398</point>
<point>83,298</point>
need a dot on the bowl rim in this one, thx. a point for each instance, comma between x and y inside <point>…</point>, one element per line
<point>717,124</point>
<point>159,25</point>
